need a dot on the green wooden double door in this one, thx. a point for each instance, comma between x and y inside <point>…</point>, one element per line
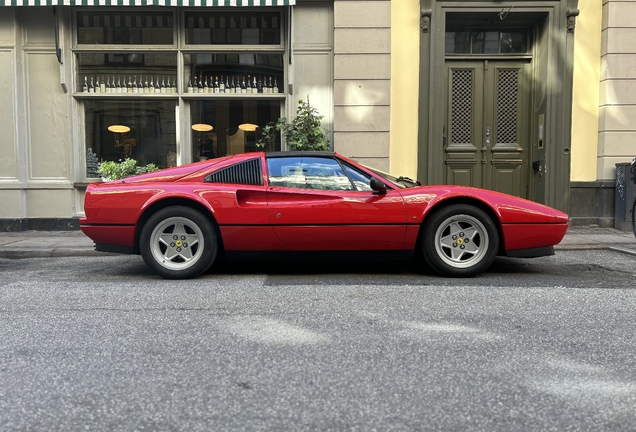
<point>487,127</point>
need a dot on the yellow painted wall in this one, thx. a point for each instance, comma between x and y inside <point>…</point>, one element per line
<point>405,61</point>
<point>585,103</point>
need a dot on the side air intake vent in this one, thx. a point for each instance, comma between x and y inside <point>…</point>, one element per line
<point>247,173</point>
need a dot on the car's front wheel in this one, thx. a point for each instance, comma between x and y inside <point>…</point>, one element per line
<point>178,243</point>
<point>460,240</point>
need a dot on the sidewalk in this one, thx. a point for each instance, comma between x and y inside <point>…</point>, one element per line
<point>43,244</point>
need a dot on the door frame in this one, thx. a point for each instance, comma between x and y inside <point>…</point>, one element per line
<point>553,25</point>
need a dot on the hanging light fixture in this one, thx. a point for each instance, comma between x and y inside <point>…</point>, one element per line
<point>202,127</point>
<point>248,127</point>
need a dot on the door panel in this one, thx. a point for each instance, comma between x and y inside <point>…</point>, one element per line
<point>465,120</point>
<point>487,120</point>
<point>337,220</point>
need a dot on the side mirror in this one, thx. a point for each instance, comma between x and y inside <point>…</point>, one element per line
<point>378,187</point>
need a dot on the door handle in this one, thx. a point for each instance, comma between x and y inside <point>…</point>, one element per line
<point>488,136</point>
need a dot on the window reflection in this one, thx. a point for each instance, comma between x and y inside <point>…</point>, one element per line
<point>233,28</point>
<point>125,28</point>
<point>308,173</point>
<point>512,41</point>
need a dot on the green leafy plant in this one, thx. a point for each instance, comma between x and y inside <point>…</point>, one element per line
<point>118,170</point>
<point>303,132</point>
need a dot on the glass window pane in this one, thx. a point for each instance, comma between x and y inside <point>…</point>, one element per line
<point>361,181</point>
<point>485,42</point>
<point>232,28</point>
<point>117,72</point>
<point>513,42</point>
<point>233,73</point>
<point>125,28</point>
<point>458,42</point>
<point>308,173</point>
<point>236,126</point>
<point>151,138</point>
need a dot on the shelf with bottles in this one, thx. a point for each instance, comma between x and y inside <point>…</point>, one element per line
<point>128,84</point>
<point>234,84</point>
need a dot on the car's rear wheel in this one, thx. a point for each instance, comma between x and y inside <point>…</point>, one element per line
<point>460,240</point>
<point>178,243</point>
<point>634,218</point>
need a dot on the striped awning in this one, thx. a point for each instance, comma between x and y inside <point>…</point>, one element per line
<point>186,3</point>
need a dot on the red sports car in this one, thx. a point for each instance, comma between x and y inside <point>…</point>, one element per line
<point>181,219</point>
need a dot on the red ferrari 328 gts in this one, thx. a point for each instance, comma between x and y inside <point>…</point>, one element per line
<point>180,219</point>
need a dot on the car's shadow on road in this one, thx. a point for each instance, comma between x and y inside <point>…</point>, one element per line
<point>387,272</point>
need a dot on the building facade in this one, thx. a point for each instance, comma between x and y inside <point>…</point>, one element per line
<point>533,98</point>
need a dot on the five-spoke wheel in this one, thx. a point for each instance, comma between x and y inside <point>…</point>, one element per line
<point>460,240</point>
<point>178,242</point>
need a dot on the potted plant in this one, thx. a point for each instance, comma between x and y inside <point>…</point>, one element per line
<point>111,170</point>
<point>303,132</point>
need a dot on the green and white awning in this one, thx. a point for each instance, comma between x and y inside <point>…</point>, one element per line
<point>186,3</point>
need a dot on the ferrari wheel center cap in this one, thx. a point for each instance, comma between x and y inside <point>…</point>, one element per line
<point>178,243</point>
<point>460,241</point>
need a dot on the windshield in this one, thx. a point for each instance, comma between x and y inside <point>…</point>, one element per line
<point>400,182</point>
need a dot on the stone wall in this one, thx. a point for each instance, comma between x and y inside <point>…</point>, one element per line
<point>362,78</point>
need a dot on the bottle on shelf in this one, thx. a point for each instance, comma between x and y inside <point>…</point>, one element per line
<point>107,85</point>
<point>190,89</point>
<point>146,87</point>
<point>221,85</point>
<point>151,86</point>
<point>206,88</point>
<point>118,88</point>
<point>97,87</point>
<point>129,85</point>
<point>243,86</point>
<point>275,88</point>
<point>163,85</point>
<point>91,86</point>
<point>168,86</point>
<point>200,85</point>
<point>85,86</point>
<point>134,85</point>
<point>102,85</point>
<point>174,84</point>
<point>215,86</point>
<point>254,85</point>
<point>233,86</point>
<point>270,87</point>
<point>157,88</point>
<point>259,85</point>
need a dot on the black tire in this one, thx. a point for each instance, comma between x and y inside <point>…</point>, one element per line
<point>634,218</point>
<point>178,243</point>
<point>460,240</point>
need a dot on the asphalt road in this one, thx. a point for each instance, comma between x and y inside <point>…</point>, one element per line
<point>99,343</point>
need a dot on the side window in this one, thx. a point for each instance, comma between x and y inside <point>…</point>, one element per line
<point>308,173</point>
<point>360,180</point>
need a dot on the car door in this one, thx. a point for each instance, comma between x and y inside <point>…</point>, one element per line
<point>317,203</point>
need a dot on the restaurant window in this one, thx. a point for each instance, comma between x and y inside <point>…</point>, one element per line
<point>137,70</point>
<point>222,127</point>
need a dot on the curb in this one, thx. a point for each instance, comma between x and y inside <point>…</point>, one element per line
<point>50,253</point>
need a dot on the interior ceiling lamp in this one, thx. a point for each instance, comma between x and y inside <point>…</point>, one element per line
<point>119,129</point>
<point>201,127</point>
<point>248,127</point>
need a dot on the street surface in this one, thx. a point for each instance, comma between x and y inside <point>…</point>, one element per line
<point>100,343</point>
